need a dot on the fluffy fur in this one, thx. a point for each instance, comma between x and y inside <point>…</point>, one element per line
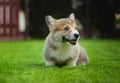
<point>61,45</point>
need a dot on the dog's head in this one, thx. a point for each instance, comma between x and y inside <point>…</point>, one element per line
<point>63,30</point>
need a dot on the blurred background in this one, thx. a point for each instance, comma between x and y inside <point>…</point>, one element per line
<point>22,19</point>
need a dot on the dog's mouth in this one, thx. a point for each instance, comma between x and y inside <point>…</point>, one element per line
<point>71,41</point>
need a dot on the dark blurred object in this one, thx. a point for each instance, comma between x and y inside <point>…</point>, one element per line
<point>96,16</point>
<point>40,8</point>
<point>103,17</point>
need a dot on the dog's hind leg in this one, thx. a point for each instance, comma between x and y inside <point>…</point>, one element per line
<point>83,57</point>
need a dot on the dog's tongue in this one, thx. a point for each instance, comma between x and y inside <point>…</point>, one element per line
<point>72,41</point>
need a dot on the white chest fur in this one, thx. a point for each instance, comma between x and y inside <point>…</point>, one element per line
<point>62,53</point>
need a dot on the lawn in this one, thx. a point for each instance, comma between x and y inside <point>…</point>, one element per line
<point>22,62</point>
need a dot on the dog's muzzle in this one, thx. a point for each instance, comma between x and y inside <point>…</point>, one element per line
<point>71,41</point>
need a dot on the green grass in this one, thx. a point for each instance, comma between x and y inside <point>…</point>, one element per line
<point>22,62</point>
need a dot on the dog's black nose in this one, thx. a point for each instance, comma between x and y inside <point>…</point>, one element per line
<point>76,35</point>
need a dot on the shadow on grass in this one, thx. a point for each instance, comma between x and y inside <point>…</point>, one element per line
<point>41,66</point>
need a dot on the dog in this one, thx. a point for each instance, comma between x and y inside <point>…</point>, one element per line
<point>61,45</point>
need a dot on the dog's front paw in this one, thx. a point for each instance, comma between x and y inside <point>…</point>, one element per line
<point>72,64</point>
<point>49,63</point>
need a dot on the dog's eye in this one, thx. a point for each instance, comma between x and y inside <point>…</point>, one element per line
<point>66,28</point>
<point>76,27</point>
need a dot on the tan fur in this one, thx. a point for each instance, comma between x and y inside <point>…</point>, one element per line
<point>56,51</point>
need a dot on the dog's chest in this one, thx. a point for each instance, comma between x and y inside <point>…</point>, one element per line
<point>61,54</point>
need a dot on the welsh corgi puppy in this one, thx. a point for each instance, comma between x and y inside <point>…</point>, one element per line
<point>61,45</point>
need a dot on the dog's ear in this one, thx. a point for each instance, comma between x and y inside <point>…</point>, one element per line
<point>72,17</point>
<point>49,21</point>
